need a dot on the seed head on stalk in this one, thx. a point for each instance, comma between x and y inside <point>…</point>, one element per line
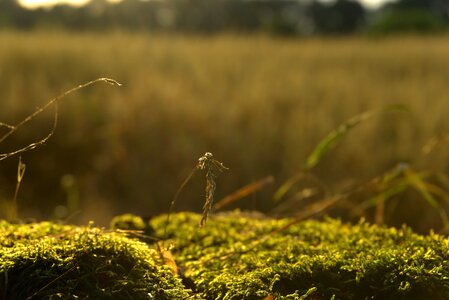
<point>213,168</point>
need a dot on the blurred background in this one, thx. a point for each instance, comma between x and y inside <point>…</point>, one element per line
<point>259,83</point>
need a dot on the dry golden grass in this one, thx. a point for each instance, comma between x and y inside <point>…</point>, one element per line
<point>260,104</point>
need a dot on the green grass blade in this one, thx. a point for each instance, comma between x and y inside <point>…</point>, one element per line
<point>336,135</point>
<point>284,188</point>
<point>416,180</point>
<point>282,191</point>
<point>331,140</point>
<point>386,195</point>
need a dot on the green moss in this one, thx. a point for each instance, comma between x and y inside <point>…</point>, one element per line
<point>233,257</point>
<point>128,222</point>
<point>313,260</point>
<point>50,261</point>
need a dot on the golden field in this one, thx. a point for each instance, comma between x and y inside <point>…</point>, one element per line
<point>259,104</point>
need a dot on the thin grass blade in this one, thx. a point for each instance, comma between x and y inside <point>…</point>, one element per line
<point>416,180</point>
<point>335,136</point>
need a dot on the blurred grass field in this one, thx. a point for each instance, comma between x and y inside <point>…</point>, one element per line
<point>259,104</point>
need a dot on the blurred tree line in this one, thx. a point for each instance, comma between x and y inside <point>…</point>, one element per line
<point>413,16</point>
<point>288,17</point>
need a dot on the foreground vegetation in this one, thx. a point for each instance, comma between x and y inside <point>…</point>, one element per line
<point>259,104</point>
<point>51,261</point>
<point>235,256</point>
<point>229,260</point>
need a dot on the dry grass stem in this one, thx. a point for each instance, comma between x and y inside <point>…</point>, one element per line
<point>6,125</point>
<point>15,128</point>
<point>175,198</point>
<point>20,173</point>
<point>35,144</point>
<point>213,168</point>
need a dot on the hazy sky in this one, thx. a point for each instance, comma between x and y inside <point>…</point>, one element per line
<point>36,3</point>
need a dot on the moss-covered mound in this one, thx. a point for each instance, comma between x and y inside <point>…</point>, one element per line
<point>50,261</point>
<point>311,260</point>
<point>233,257</point>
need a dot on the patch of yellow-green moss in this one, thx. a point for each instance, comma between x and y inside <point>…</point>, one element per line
<point>229,258</point>
<point>51,261</point>
<point>234,256</point>
<point>128,222</point>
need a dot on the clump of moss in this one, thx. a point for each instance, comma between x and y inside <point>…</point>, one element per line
<point>235,256</point>
<point>315,260</point>
<point>51,261</point>
<point>128,222</point>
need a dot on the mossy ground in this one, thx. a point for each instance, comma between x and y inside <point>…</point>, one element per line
<point>233,257</point>
<point>323,260</point>
<point>50,261</point>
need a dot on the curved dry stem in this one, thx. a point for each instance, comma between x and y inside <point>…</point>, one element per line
<point>35,144</point>
<point>175,198</point>
<point>6,125</point>
<point>14,128</point>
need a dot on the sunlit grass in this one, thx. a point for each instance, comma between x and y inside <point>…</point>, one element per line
<point>259,104</point>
